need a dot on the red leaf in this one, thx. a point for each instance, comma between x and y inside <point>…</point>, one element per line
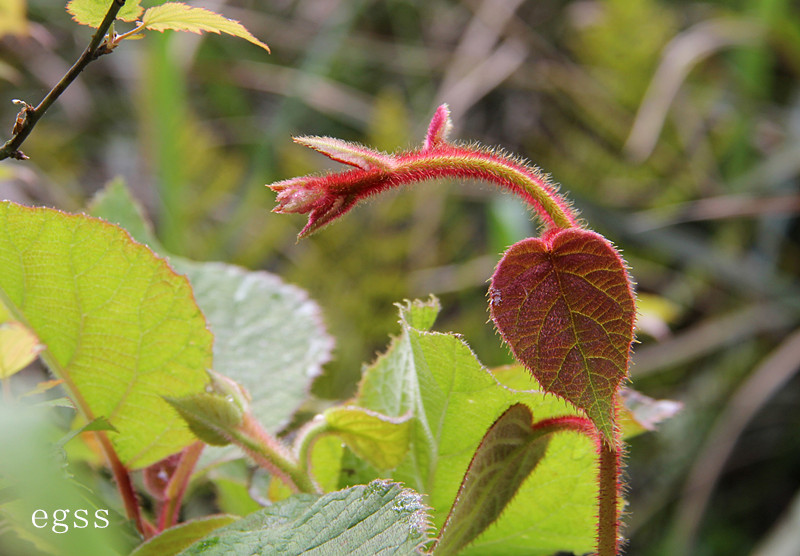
<point>565,306</point>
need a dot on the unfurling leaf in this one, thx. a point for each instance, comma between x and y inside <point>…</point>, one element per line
<point>180,17</point>
<point>92,12</point>
<point>565,306</point>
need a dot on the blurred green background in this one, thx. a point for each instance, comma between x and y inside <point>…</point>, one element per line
<point>673,126</point>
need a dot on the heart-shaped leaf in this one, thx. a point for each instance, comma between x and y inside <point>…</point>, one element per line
<point>565,306</point>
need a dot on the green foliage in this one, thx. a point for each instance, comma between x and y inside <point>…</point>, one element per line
<point>508,453</point>
<point>268,335</point>
<point>175,539</point>
<point>92,12</point>
<point>365,519</point>
<point>454,400</point>
<point>706,220</point>
<point>379,440</point>
<point>170,16</point>
<point>81,285</point>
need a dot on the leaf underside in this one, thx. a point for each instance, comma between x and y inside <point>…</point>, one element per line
<point>508,453</point>
<point>565,307</point>
<point>118,324</point>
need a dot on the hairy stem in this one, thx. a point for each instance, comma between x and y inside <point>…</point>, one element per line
<point>124,485</point>
<point>608,478</point>
<point>306,437</point>
<point>32,115</point>
<point>458,162</point>
<point>272,455</point>
<point>573,423</point>
<point>608,515</point>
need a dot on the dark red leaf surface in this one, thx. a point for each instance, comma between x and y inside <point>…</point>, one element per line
<point>565,306</point>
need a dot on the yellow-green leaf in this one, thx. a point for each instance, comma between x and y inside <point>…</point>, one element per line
<point>379,439</point>
<point>92,12</point>
<point>18,348</point>
<point>119,325</point>
<point>180,17</point>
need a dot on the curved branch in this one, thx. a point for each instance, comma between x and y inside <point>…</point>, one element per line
<point>29,116</point>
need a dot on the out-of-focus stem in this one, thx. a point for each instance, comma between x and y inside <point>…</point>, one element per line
<point>176,488</point>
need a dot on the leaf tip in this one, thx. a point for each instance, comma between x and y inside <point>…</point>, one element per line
<point>439,128</point>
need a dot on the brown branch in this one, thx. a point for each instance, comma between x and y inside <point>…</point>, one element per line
<point>29,116</point>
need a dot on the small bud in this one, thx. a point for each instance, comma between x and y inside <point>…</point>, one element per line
<point>231,390</point>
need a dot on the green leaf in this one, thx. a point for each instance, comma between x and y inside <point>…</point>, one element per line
<point>268,335</point>
<point>115,204</point>
<point>180,17</point>
<point>92,12</point>
<point>379,518</point>
<point>380,440</point>
<point>454,400</point>
<point>233,497</point>
<point>121,328</point>
<point>508,453</point>
<point>18,347</point>
<point>565,306</point>
<point>180,537</point>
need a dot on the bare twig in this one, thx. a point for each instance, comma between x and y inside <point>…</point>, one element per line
<point>29,116</point>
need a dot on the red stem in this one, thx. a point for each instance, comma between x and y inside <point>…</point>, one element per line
<point>574,423</point>
<point>125,486</point>
<point>608,522</point>
<point>176,488</point>
<point>608,515</point>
